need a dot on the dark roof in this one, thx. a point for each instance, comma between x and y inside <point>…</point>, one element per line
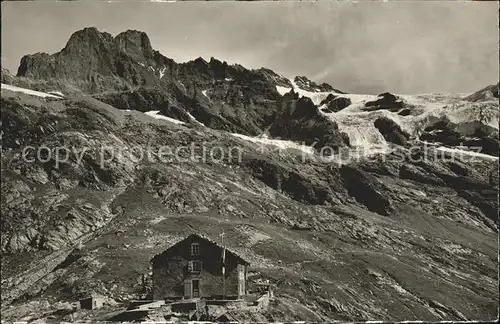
<point>206,239</point>
<point>226,317</point>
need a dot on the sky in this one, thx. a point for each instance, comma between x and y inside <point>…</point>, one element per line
<point>365,47</point>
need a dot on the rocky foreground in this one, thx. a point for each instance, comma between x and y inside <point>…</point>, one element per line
<point>407,234</point>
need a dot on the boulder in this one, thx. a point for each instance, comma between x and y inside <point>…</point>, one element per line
<point>391,131</point>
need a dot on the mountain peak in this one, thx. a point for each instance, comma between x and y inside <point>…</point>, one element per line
<point>134,42</point>
<point>304,83</point>
<point>200,60</point>
<point>87,37</point>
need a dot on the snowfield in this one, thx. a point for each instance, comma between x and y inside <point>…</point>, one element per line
<point>156,114</point>
<point>280,144</point>
<point>316,96</point>
<point>32,92</point>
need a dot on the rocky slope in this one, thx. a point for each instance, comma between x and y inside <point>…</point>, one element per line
<point>407,234</point>
<point>487,93</point>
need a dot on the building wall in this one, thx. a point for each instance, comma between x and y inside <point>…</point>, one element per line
<point>91,303</point>
<point>171,270</point>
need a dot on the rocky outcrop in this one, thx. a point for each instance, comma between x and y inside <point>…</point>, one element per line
<point>94,62</point>
<point>301,121</point>
<point>143,100</point>
<point>386,101</point>
<point>475,135</point>
<point>328,98</point>
<point>291,182</point>
<point>486,94</point>
<point>391,131</point>
<point>366,189</point>
<point>305,84</point>
<point>7,77</point>
<point>337,104</point>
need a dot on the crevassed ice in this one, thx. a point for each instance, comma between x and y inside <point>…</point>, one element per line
<point>363,135</point>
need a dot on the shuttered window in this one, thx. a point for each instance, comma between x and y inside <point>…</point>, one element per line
<point>195,249</point>
<point>194,266</point>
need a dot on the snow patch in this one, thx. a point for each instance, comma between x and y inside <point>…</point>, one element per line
<point>157,220</point>
<point>156,114</point>
<point>280,144</point>
<point>29,92</point>
<point>317,96</point>
<point>228,79</point>
<point>204,92</point>
<point>461,153</point>
<point>57,93</point>
<point>194,119</point>
<point>162,72</point>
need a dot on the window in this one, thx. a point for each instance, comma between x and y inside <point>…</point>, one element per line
<point>195,249</point>
<point>194,266</point>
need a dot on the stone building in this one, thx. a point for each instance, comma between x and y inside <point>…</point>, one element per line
<point>194,267</point>
<point>91,302</point>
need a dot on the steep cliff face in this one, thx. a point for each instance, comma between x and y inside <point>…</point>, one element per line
<point>94,62</point>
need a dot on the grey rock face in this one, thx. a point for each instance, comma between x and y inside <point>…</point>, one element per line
<point>391,131</point>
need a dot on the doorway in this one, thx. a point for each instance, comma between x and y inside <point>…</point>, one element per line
<point>196,288</point>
